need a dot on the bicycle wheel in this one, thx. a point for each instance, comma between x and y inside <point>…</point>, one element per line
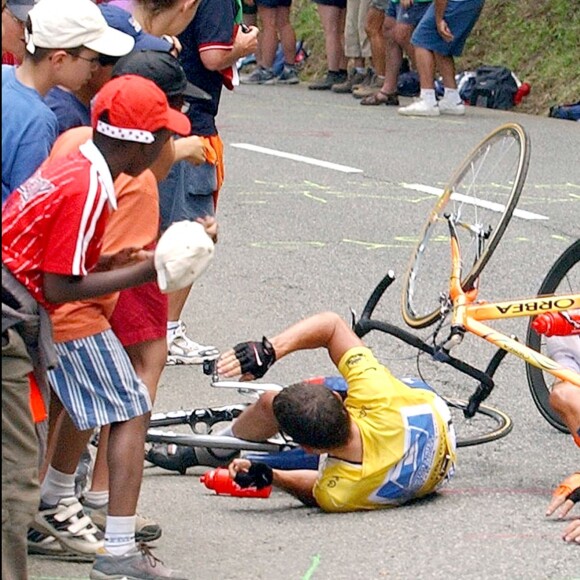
<point>562,278</point>
<point>481,195</point>
<point>488,424</point>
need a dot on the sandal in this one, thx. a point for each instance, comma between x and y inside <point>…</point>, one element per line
<point>380,98</point>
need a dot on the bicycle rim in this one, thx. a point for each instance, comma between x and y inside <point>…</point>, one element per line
<point>488,424</point>
<point>481,195</point>
<point>562,278</point>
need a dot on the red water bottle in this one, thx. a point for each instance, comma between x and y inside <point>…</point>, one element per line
<point>557,323</point>
<point>523,91</point>
<point>220,481</point>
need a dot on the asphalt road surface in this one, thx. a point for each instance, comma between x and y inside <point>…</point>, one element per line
<point>299,237</point>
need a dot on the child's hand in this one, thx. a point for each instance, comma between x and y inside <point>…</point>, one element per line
<point>211,227</point>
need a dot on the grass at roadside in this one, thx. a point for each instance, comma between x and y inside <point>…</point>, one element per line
<point>537,39</point>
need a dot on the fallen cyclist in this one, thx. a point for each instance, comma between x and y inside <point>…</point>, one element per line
<point>384,445</point>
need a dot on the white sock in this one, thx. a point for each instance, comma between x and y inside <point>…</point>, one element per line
<point>172,326</point>
<point>428,95</point>
<point>96,499</point>
<point>452,95</point>
<point>120,534</point>
<point>56,486</point>
<point>361,70</point>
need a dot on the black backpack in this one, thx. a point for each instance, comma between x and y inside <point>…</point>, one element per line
<point>494,88</point>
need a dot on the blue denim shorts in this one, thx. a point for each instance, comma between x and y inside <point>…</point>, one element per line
<point>391,9</point>
<point>187,193</point>
<point>460,15</point>
<point>412,15</point>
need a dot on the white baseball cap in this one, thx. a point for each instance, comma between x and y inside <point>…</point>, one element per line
<point>182,254</point>
<point>71,24</point>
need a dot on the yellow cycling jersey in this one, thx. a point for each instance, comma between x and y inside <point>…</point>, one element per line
<point>408,441</point>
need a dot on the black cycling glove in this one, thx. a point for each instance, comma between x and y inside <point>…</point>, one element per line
<point>259,476</point>
<point>255,357</point>
<point>575,495</point>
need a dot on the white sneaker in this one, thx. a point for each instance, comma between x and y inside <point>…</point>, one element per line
<point>181,350</point>
<point>449,108</point>
<point>419,108</point>
<point>69,524</point>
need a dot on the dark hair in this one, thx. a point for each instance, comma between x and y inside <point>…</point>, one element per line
<point>312,416</point>
<point>154,7</point>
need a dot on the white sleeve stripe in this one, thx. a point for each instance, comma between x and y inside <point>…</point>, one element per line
<point>78,264</point>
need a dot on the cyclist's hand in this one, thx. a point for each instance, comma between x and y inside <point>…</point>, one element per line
<point>251,474</point>
<point>572,531</point>
<point>249,359</point>
<point>565,496</point>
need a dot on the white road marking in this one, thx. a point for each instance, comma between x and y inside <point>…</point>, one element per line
<point>294,157</point>
<point>498,207</point>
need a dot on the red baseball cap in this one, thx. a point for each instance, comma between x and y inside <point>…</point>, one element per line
<point>136,108</point>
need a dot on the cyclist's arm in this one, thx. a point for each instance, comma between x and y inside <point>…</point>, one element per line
<point>324,330</point>
<point>297,482</point>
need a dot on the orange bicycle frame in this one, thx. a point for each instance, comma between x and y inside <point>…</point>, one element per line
<point>468,314</point>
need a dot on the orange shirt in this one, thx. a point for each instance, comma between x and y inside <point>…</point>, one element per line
<point>135,223</point>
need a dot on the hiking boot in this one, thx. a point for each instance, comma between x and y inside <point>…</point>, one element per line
<point>179,457</point>
<point>137,564</point>
<point>420,108</point>
<point>367,78</point>
<point>355,78</point>
<point>333,77</point>
<point>69,524</point>
<point>450,108</point>
<point>146,530</point>
<point>181,350</point>
<point>288,76</point>
<point>364,90</point>
<point>259,76</point>
<point>41,544</point>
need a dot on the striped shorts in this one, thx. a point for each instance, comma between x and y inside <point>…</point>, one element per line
<point>96,382</point>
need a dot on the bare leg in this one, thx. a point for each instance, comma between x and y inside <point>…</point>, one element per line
<point>148,359</point>
<point>374,30</point>
<point>125,457</point>
<point>257,422</point>
<point>425,67</point>
<point>69,446</point>
<point>446,66</point>
<point>286,33</point>
<point>176,302</point>
<point>268,36</point>
<point>332,19</point>
<point>565,400</point>
<point>394,56</point>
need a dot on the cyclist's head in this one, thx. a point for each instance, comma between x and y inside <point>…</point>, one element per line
<point>312,415</point>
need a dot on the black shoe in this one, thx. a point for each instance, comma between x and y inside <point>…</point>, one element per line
<point>180,458</point>
<point>333,77</point>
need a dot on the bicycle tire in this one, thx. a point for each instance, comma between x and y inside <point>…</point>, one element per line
<point>500,424</point>
<point>559,272</point>
<point>487,184</point>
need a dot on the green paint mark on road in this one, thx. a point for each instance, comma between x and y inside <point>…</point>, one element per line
<point>368,245</point>
<point>312,569</point>
<point>316,185</point>
<point>320,199</point>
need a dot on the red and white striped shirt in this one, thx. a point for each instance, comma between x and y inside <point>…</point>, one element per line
<point>54,222</point>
